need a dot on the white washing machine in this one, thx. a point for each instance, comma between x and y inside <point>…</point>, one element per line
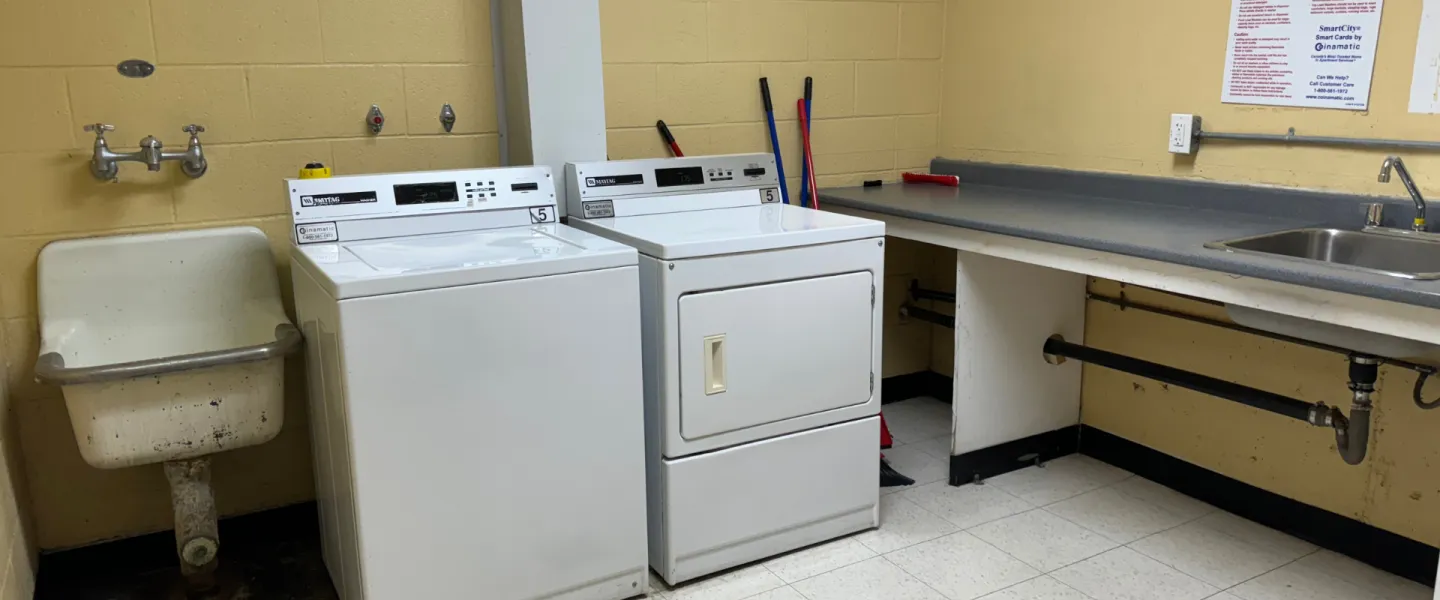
<point>475,389</point>
<point>761,325</point>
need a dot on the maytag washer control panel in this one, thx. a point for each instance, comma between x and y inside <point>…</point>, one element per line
<point>324,209</point>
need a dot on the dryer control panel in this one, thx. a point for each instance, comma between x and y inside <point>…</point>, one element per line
<point>359,207</point>
<point>663,185</point>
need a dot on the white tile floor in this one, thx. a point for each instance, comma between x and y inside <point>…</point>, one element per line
<point>1077,529</point>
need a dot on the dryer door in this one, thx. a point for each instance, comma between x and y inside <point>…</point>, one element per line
<point>766,353</point>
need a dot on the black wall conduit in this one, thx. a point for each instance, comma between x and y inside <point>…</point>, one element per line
<point>909,309</point>
<point>1352,432</point>
<point>1261,399</point>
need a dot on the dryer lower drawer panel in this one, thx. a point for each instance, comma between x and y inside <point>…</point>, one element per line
<point>766,353</point>
<point>768,490</point>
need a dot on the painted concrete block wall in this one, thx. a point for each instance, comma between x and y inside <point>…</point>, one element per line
<point>696,64</point>
<point>940,274</point>
<point>280,83</point>
<point>277,83</point>
<point>907,342</point>
<point>17,536</point>
<point>1091,85</point>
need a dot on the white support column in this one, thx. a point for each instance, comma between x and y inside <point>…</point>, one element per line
<point>552,93</point>
<point>1004,311</point>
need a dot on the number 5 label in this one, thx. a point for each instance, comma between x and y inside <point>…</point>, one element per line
<point>542,214</point>
<point>769,195</point>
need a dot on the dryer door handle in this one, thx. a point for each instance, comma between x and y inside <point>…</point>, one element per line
<point>714,364</point>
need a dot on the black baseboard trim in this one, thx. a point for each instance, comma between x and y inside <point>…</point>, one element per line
<point>1013,456</point>
<point>1366,543</point>
<point>914,385</point>
<point>155,551</point>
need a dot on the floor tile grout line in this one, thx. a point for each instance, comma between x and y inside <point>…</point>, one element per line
<point>941,536</point>
<point>958,527</point>
<point>1103,536</point>
<point>1062,518</point>
<point>877,553</point>
<point>1217,510</point>
<point>1027,563</point>
<point>1041,573</point>
<point>1127,544</point>
<point>796,590</point>
<point>901,494</point>
<point>1297,559</point>
<point>1073,496</point>
<point>1022,561</point>
<point>851,537</point>
<point>758,594</point>
<point>1046,575</point>
<point>1167,529</point>
<point>1044,507</point>
<point>1011,586</point>
<point>914,576</point>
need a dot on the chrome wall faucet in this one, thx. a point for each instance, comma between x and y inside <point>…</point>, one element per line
<point>1399,165</point>
<point>105,164</point>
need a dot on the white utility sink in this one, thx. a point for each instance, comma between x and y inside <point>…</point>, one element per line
<point>168,346</point>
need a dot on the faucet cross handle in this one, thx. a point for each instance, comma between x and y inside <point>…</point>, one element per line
<point>193,129</point>
<point>99,129</point>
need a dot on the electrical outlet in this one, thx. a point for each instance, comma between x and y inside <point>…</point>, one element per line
<point>1182,133</point>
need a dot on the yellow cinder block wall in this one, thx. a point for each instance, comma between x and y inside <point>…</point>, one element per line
<point>17,536</point>
<point>276,83</point>
<point>1091,85</point>
<point>877,71</point>
<point>279,83</point>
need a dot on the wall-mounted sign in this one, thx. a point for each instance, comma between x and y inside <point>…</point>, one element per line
<point>1310,53</point>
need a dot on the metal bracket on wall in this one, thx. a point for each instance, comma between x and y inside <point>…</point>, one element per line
<point>447,117</point>
<point>135,68</point>
<point>927,315</point>
<point>920,293</point>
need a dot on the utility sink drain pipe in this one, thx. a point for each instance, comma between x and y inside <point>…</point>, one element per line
<point>197,530</point>
<point>1352,433</point>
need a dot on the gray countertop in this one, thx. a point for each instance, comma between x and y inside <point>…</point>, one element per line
<point>1164,230</point>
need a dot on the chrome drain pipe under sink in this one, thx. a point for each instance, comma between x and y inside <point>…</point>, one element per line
<point>1352,432</point>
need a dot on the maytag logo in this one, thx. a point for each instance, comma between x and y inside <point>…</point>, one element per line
<point>338,199</point>
<point>616,180</point>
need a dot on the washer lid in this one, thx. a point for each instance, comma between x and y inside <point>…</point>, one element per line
<point>732,230</point>
<point>412,263</point>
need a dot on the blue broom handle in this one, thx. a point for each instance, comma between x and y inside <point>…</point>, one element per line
<point>774,139</point>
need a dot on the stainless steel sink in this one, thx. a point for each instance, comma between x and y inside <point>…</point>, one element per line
<point>1392,252</point>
